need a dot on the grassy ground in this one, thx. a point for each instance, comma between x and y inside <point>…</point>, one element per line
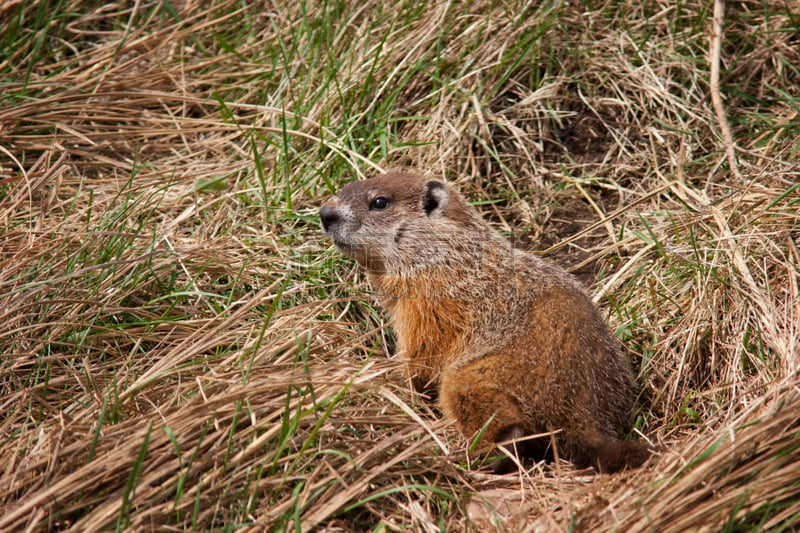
<point>182,349</point>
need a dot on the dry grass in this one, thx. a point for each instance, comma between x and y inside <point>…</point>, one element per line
<point>182,350</point>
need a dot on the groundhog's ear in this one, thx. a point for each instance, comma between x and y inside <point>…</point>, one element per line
<point>435,199</point>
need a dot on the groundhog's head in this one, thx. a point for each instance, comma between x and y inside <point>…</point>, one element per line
<point>396,221</point>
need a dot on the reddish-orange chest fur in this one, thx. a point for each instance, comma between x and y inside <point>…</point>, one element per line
<point>431,327</point>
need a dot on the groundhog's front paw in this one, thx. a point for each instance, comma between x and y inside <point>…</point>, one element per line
<point>425,386</point>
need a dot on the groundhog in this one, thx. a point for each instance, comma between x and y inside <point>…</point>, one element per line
<point>513,342</point>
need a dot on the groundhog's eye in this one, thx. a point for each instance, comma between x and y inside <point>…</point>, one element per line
<point>379,203</point>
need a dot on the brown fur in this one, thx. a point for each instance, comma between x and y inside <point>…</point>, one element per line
<point>504,333</point>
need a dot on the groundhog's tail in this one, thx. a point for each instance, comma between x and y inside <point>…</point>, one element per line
<point>614,456</point>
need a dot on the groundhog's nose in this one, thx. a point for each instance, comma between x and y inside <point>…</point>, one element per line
<point>328,216</point>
